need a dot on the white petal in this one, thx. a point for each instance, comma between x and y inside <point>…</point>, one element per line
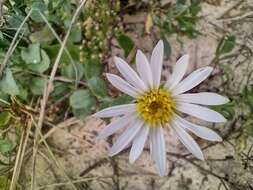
<point>178,72</point>
<point>204,98</point>
<point>116,125</point>
<point>129,74</point>
<point>151,131</point>
<point>157,62</point>
<point>122,85</point>
<point>187,140</point>
<point>159,150</point>
<point>138,143</point>
<point>116,111</point>
<point>144,69</point>
<point>200,112</point>
<point>126,137</point>
<point>200,131</point>
<point>195,78</point>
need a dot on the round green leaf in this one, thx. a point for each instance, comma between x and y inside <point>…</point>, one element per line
<point>82,99</point>
<point>126,43</point>
<point>43,35</point>
<point>43,65</point>
<point>8,84</point>
<point>97,87</point>
<point>80,113</point>
<point>72,71</point>
<point>37,85</point>
<point>76,34</point>
<point>31,54</point>
<point>92,68</point>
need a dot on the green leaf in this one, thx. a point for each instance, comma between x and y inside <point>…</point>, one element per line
<point>97,87</point>
<point>23,94</point>
<point>126,43</point>
<point>8,84</point>
<point>73,71</point>
<point>5,146</point>
<point>228,110</point>
<point>14,21</point>
<point>80,113</point>
<point>74,51</point>
<point>38,7</point>
<point>195,8</point>
<point>31,54</point>
<point>82,99</point>
<point>43,65</point>
<point>76,34</point>
<point>37,85</point>
<point>43,35</point>
<point>226,45</point>
<point>92,68</point>
<point>4,118</point>
<point>60,89</point>
<point>123,99</point>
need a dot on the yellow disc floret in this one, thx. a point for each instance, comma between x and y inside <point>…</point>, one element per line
<point>156,107</point>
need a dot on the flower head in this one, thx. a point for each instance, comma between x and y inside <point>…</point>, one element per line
<point>158,106</point>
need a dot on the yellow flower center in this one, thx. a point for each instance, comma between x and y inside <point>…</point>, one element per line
<point>156,107</point>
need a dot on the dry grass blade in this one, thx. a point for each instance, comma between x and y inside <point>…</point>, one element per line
<point>66,123</point>
<point>20,156</point>
<point>47,91</point>
<point>65,49</point>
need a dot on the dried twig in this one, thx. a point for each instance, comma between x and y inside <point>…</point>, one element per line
<point>248,14</point>
<point>48,89</point>
<point>232,6</point>
<point>93,166</point>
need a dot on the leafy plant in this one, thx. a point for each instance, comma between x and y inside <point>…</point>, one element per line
<point>126,43</point>
<point>226,45</point>
<point>180,18</point>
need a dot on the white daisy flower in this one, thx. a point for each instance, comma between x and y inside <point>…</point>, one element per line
<point>158,106</point>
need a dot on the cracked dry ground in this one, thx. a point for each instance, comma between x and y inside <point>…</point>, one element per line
<point>85,160</point>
